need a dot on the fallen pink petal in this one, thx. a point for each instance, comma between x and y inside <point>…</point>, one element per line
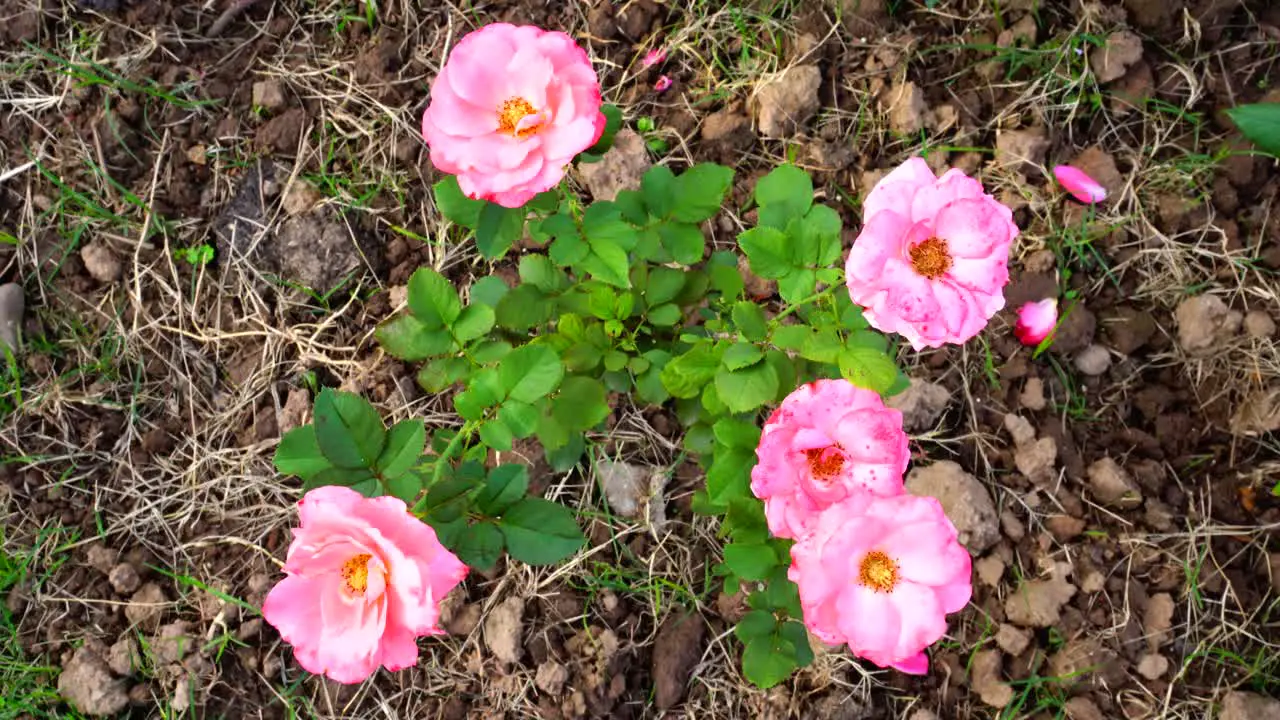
<point>653,57</point>
<point>1036,321</point>
<point>662,85</point>
<point>1079,184</point>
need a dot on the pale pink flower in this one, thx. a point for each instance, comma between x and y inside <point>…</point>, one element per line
<point>1036,320</point>
<point>1079,184</point>
<point>932,259</point>
<point>510,109</point>
<point>881,574</point>
<point>653,57</point>
<point>825,441</point>
<point>662,84</point>
<point>363,580</point>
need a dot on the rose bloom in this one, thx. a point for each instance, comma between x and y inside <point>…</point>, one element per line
<point>1036,320</point>
<point>932,259</point>
<point>881,574</point>
<point>363,580</point>
<point>825,441</point>
<point>1079,184</point>
<point>510,109</point>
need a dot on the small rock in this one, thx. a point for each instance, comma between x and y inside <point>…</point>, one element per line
<point>282,133</point>
<point>1020,429</point>
<point>634,491</point>
<point>123,656</point>
<point>921,404</point>
<point>1035,460</point>
<point>1082,659</point>
<point>503,630</point>
<point>1204,323</point>
<point>990,570</point>
<point>1128,329</point>
<point>146,606</point>
<point>620,169</point>
<point>198,154</point>
<point>1093,360</point>
<point>675,653</point>
<point>1153,666</point>
<point>964,500</point>
<point>1093,582</point>
<point>984,675</point>
<point>1157,618</point>
<point>1038,603</point>
<point>723,123</point>
<point>1012,526</point>
<point>1032,395</point>
<point>269,95</point>
<point>1064,527</point>
<point>173,642</point>
<point>86,683</point>
<point>102,264</point>
<point>1113,486</point>
<point>1022,150</point>
<point>1238,705</point>
<point>124,578</point>
<point>11,306</point>
<point>785,103</point>
<point>299,197</point>
<point>906,108</point>
<point>1082,708</point>
<point>1012,640</point>
<point>551,677</point>
<point>101,558</point>
<point>1075,330</point>
<point>1111,60</point>
<point>1259,324</point>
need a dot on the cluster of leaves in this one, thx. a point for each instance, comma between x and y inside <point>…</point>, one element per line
<point>626,298</point>
<point>475,514</point>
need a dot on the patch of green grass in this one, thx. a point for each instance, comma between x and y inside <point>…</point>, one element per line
<point>91,74</point>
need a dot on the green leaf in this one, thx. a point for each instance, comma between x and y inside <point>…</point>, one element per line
<point>405,443</point>
<point>749,319</point>
<point>608,262</point>
<point>824,226</point>
<point>727,280</point>
<point>406,338</point>
<point>750,561</point>
<point>797,285</point>
<point>787,187</point>
<point>349,431</point>
<point>741,355</point>
<point>631,204</point>
<point>489,290</point>
<point>569,250</point>
<point>480,545</point>
<point>523,308</point>
<point>539,271</point>
<point>490,351</point>
<point>455,206</point>
<point>345,477</point>
<point>658,186</point>
<point>498,229</point>
<point>730,475</point>
<point>747,389</point>
<point>665,315</point>
<point>767,252</point>
<point>474,322</point>
<point>433,299</point>
<point>496,435</point>
<point>791,337</point>
<point>687,374</point>
<point>735,433</point>
<point>793,631</point>
<point>299,453</point>
<point>822,346</point>
<point>531,372</point>
<point>685,242</point>
<point>565,457</point>
<point>1260,123</point>
<point>540,532</point>
<point>503,488</point>
<point>755,624</point>
<point>449,498</point>
<point>406,487</point>
<point>663,286</point>
<point>581,404</point>
<point>441,373</point>
<point>521,418</point>
<point>699,192</point>
<point>768,661</point>
<point>868,368</point>
<point>746,521</point>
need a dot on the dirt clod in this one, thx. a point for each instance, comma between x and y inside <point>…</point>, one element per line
<point>1032,395</point>
<point>123,656</point>
<point>1038,603</point>
<point>12,305</point>
<point>1258,413</point>
<point>551,677</point>
<point>1259,324</point>
<point>906,108</point>
<point>921,404</point>
<point>1093,360</point>
<point>1022,150</point>
<point>633,491</point>
<point>146,606</point>
<point>675,652</point>
<point>269,95</point>
<point>1157,619</point>
<point>784,104</point>
<point>1239,705</point>
<point>88,686</point>
<point>1082,708</point>
<point>1011,639</point>
<point>174,641</point>
<point>1101,166</point>
<point>282,133</point>
<point>101,262</point>
<point>1113,485</point>
<point>1153,666</point>
<point>1204,323</point>
<point>620,169</point>
<point>124,578</point>
<point>984,675</point>
<point>965,501</point>
<point>1112,59</point>
<point>503,630</point>
<point>1036,460</point>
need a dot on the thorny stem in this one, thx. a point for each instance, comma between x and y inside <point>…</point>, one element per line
<point>811,299</point>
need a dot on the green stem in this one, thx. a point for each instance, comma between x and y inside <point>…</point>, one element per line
<point>443,461</point>
<point>806,301</point>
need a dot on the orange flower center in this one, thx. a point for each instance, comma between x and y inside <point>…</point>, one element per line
<point>931,258</point>
<point>511,117</point>
<point>356,572</point>
<point>878,572</point>
<point>825,463</point>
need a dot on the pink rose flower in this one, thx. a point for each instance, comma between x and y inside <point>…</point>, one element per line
<point>881,574</point>
<point>1036,320</point>
<point>363,580</point>
<point>932,259</point>
<point>510,109</point>
<point>1079,184</point>
<point>662,84</point>
<point>827,440</point>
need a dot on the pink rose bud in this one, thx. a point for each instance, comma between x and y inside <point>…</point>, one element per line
<point>932,259</point>
<point>881,574</point>
<point>653,57</point>
<point>510,109</point>
<point>662,84</point>
<point>363,580</point>
<point>1036,321</point>
<point>1079,184</point>
<point>827,440</point>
